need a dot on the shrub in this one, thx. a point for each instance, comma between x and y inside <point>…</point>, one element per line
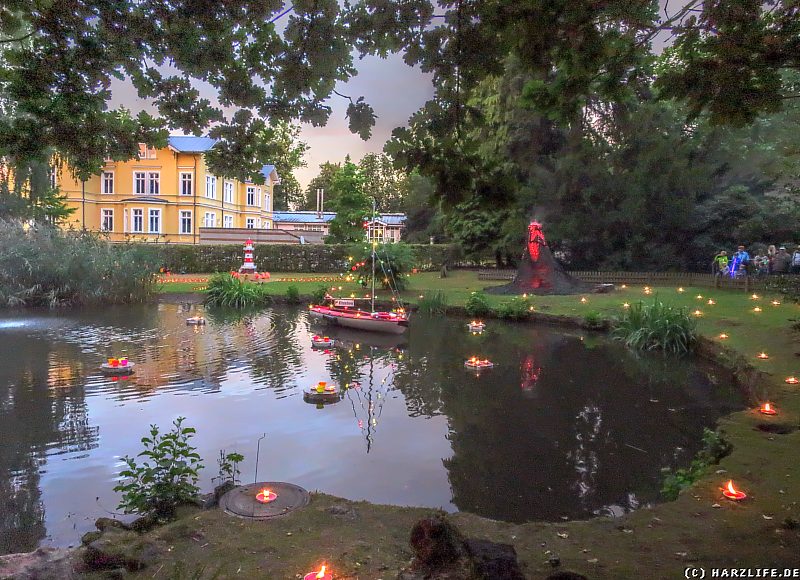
<point>593,320</point>
<point>318,295</point>
<point>392,264</point>
<point>515,309</point>
<point>433,304</point>
<point>43,266</point>
<point>478,304</point>
<point>166,478</point>
<point>230,291</point>
<point>293,294</point>
<point>656,326</point>
<point>715,447</point>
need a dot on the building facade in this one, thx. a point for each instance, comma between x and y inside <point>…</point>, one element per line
<point>314,226</point>
<point>167,195</point>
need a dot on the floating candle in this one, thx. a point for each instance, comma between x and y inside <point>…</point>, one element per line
<point>792,380</point>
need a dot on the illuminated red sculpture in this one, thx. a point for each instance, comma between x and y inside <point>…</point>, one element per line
<point>539,272</point>
<point>535,239</point>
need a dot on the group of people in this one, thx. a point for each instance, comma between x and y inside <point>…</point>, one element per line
<point>774,261</point>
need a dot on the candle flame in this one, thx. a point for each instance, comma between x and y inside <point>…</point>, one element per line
<point>754,297</point>
<point>775,303</point>
<point>756,309</point>
<point>792,380</point>
<point>763,355</point>
<point>732,490</point>
<point>766,408</point>
<point>723,336</point>
<point>321,573</point>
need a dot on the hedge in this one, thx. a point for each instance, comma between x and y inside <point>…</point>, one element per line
<point>288,257</point>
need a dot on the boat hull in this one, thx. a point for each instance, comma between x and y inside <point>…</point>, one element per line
<point>360,321</point>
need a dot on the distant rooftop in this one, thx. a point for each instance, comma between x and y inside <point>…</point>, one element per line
<point>191,144</point>
<point>202,144</point>
<point>312,217</point>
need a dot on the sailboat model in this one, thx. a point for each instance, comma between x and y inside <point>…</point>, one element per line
<point>344,312</point>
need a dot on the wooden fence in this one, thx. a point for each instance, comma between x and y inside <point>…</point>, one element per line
<point>646,278</point>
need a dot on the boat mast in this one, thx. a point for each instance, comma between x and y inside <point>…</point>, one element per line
<point>371,238</point>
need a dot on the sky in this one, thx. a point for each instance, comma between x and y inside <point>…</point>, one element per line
<point>394,90</point>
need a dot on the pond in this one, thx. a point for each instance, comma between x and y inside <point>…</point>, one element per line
<point>565,426</point>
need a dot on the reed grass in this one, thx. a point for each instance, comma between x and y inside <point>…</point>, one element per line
<point>656,326</point>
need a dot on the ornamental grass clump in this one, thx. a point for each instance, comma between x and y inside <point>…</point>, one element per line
<point>656,326</point>
<point>41,265</point>
<point>434,304</point>
<point>227,291</point>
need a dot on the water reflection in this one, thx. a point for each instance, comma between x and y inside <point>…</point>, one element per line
<point>562,426</point>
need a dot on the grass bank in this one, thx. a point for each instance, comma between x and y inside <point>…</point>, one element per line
<point>700,528</point>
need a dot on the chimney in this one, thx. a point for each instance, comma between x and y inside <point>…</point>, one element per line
<point>320,202</point>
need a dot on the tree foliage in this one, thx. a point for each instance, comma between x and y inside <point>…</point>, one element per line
<point>351,204</point>
<point>323,181</point>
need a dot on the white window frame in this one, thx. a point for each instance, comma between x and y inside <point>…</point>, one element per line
<point>227,221</point>
<point>211,186</point>
<point>267,197</point>
<point>133,220</point>
<point>206,219</point>
<point>183,182</point>
<point>153,177</point>
<point>150,212</point>
<point>183,215</point>
<point>137,181</point>
<point>258,197</point>
<point>250,195</point>
<point>104,213</point>
<point>250,223</point>
<point>227,191</point>
<point>107,178</point>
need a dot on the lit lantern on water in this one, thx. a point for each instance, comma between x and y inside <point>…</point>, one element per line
<point>732,493</point>
<point>762,356</point>
<point>767,409</point>
<point>792,380</point>
<point>723,336</point>
<point>321,574</point>
<point>266,496</point>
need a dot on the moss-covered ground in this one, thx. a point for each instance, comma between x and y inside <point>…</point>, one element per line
<point>700,529</point>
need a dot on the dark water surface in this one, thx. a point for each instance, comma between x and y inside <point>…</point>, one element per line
<point>564,426</point>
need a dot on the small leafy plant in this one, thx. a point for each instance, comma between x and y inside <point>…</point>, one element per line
<point>478,305</point>
<point>293,294</point>
<point>593,320</point>
<point>229,467</point>
<point>167,475</point>
<point>715,447</point>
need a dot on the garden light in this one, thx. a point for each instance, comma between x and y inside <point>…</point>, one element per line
<point>723,336</point>
<point>767,409</point>
<point>732,493</point>
<point>321,574</point>
<point>791,380</point>
<point>762,356</point>
<point>266,496</point>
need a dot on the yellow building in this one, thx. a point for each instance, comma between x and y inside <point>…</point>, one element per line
<point>167,195</point>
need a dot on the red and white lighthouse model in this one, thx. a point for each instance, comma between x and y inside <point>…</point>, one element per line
<point>249,266</point>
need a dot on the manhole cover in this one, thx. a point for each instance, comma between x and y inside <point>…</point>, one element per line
<point>244,503</point>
